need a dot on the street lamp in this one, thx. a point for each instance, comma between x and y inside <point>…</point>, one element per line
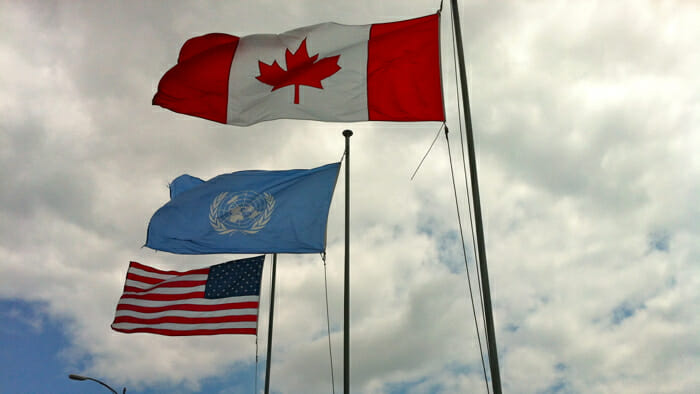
<point>78,377</point>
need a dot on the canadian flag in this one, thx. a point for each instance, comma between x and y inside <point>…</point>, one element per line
<point>328,72</point>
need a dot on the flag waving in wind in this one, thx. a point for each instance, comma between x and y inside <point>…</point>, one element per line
<point>246,212</point>
<point>221,299</point>
<point>329,71</point>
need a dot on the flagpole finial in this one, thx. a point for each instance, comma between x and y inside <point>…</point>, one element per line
<point>347,133</point>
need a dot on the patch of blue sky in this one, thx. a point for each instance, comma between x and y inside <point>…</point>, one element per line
<point>320,333</point>
<point>660,241</point>
<point>427,385</point>
<point>624,311</point>
<point>448,242</point>
<point>32,350</point>
<point>426,227</point>
<point>240,379</point>
<point>34,355</point>
<point>405,387</point>
<point>558,387</point>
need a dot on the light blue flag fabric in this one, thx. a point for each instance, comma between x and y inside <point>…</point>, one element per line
<point>246,212</point>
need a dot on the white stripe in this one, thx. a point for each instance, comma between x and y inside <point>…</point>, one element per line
<point>186,327</point>
<point>149,274</point>
<point>167,290</point>
<point>144,285</point>
<point>192,301</point>
<point>225,312</point>
<point>139,284</point>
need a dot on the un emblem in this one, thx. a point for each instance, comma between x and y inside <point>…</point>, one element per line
<point>247,212</point>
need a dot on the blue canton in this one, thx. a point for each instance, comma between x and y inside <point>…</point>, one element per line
<point>235,278</point>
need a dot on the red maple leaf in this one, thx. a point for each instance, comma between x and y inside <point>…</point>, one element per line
<point>301,70</point>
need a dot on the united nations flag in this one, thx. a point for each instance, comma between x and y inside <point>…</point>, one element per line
<point>246,212</point>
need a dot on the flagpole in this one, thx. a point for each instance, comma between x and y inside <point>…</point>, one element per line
<point>488,312</point>
<point>346,328</point>
<point>269,330</point>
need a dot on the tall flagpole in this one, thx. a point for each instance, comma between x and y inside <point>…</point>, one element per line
<point>269,329</point>
<point>488,312</point>
<point>346,328</point>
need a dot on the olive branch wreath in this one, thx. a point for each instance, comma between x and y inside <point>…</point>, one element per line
<point>221,228</point>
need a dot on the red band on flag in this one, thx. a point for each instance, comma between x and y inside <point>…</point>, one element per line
<point>186,320</point>
<point>164,297</point>
<point>188,307</point>
<point>198,84</point>
<point>142,267</point>
<point>251,331</point>
<point>403,71</point>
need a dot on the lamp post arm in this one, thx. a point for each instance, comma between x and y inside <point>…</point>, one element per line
<point>79,377</point>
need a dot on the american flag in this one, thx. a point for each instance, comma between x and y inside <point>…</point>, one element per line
<point>221,299</point>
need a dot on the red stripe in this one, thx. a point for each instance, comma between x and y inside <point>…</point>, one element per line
<point>251,331</point>
<point>183,284</point>
<point>187,307</point>
<point>185,320</point>
<point>200,271</point>
<point>164,297</point>
<point>133,289</point>
<point>198,84</point>
<point>403,71</point>
<point>145,279</point>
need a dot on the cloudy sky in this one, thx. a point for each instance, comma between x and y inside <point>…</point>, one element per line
<point>585,117</point>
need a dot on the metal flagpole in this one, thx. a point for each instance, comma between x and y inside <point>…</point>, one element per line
<point>346,328</point>
<point>269,330</point>
<point>490,332</point>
